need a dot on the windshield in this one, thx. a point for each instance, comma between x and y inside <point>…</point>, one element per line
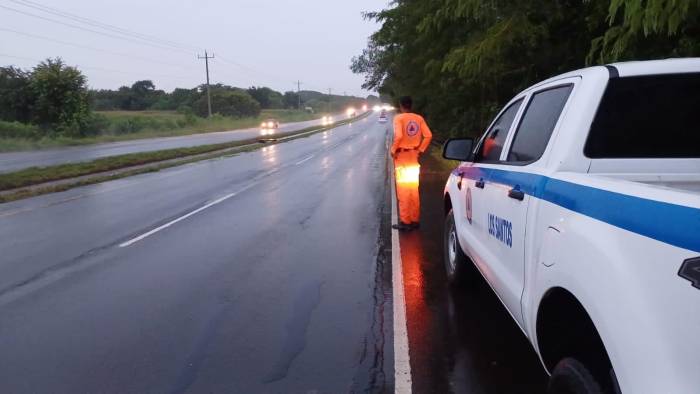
<point>647,117</point>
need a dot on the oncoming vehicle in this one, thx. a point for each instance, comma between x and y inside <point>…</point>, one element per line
<point>326,121</point>
<point>580,206</point>
<point>382,117</point>
<point>270,124</point>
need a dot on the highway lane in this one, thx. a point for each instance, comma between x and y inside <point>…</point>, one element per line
<point>13,161</point>
<point>266,276</point>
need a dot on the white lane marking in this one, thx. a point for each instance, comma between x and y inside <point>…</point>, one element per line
<point>402,361</point>
<point>183,217</point>
<point>209,205</point>
<point>304,160</point>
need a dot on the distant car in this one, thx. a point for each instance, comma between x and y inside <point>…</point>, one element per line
<point>326,120</point>
<point>270,124</point>
<point>382,117</point>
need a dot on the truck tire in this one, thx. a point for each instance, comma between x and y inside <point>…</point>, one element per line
<point>572,377</point>
<point>457,264</point>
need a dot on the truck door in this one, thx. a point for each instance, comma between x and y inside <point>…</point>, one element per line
<point>472,178</point>
<point>510,188</point>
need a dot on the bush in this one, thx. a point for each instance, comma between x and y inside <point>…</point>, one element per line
<point>96,124</point>
<point>185,110</point>
<point>19,130</point>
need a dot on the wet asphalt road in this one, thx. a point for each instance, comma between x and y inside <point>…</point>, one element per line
<point>278,285</point>
<point>280,282</point>
<point>461,340</point>
<point>14,161</point>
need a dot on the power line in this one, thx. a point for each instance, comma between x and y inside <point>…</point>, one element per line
<point>36,36</point>
<point>91,30</point>
<point>95,23</point>
<point>98,68</point>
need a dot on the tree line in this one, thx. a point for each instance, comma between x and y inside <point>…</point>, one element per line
<point>462,60</point>
<point>226,100</point>
<point>53,100</point>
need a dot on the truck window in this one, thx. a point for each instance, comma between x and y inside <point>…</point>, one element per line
<point>653,116</point>
<point>537,124</point>
<point>492,144</point>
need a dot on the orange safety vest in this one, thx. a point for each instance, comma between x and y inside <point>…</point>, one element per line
<point>410,132</point>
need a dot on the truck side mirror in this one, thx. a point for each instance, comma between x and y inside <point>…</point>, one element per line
<point>458,149</point>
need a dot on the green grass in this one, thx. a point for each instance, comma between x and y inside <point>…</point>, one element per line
<point>132,125</point>
<point>38,175</point>
<point>443,164</point>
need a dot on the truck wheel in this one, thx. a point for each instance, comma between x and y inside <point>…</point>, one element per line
<point>456,262</point>
<point>572,377</point>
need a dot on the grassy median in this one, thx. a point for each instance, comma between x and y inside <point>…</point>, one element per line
<point>134,125</point>
<point>159,159</point>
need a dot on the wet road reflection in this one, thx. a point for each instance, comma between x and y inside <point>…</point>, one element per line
<point>461,340</point>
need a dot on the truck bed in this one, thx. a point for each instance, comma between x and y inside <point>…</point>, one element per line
<point>689,183</point>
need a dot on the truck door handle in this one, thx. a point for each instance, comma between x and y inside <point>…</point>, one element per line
<point>516,193</point>
<point>480,183</point>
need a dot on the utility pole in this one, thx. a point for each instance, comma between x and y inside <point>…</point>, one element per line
<point>206,58</point>
<point>299,94</point>
<point>329,100</point>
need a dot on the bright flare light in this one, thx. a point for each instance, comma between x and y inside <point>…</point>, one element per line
<point>364,108</point>
<point>407,175</point>
<point>377,108</point>
<point>351,111</point>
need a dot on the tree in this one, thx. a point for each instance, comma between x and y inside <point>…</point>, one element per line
<point>290,100</point>
<point>61,97</point>
<point>16,96</point>
<point>233,103</point>
<point>142,95</point>
<point>267,97</point>
<point>649,28</point>
<point>462,60</point>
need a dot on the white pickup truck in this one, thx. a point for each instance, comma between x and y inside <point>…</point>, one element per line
<point>580,206</point>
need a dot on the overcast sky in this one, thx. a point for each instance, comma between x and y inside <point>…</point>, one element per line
<point>256,42</point>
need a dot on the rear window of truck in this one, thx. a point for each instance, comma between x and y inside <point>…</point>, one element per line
<point>655,116</point>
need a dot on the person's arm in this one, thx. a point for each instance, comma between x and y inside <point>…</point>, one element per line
<point>427,136</point>
<point>398,134</point>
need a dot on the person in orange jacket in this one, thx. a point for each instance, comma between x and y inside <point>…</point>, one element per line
<point>411,138</point>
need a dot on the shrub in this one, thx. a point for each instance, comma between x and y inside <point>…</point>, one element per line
<point>19,130</point>
<point>96,124</point>
<point>61,103</point>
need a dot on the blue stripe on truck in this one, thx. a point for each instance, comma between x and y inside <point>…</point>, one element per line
<point>673,224</point>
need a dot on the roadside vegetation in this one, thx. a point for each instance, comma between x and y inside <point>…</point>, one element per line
<point>51,106</point>
<point>462,60</point>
